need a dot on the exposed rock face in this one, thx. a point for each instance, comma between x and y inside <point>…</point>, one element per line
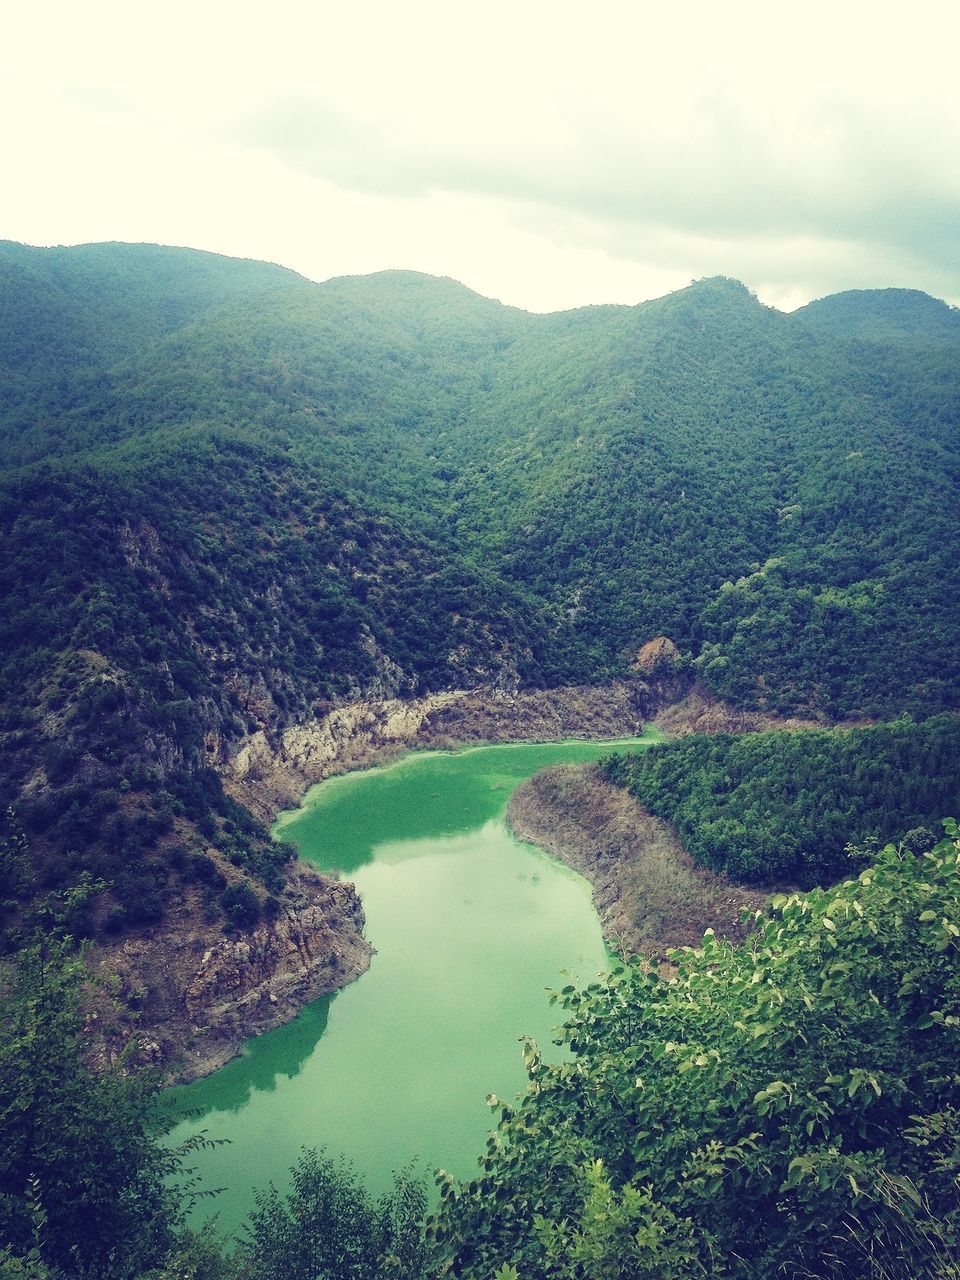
<point>302,948</point>
<point>659,654</point>
<point>267,774</point>
<point>190,997</point>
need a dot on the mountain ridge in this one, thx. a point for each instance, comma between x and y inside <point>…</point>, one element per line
<point>302,495</point>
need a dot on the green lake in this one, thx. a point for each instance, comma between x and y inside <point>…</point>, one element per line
<point>471,930</point>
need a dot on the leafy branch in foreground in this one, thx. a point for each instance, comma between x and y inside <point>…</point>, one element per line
<point>742,1117</point>
<point>85,1189</point>
<point>328,1228</point>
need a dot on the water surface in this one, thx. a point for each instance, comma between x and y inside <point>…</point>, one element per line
<point>471,929</point>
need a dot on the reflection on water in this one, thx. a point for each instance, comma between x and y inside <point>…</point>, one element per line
<point>264,1065</point>
<point>470,929</point>
<point>337,828</point>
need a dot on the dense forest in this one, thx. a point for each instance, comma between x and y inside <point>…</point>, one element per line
<point>232,501</point>
<point>769,807</point>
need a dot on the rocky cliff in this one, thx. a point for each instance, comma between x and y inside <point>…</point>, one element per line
<point>267,773</point>
<point>184,998</point>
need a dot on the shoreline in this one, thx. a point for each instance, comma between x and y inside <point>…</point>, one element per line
<point>649,895</point>
<point>270,775</point>
<point>190,996</point>
<point>193,996</point>
<point>186,998</point>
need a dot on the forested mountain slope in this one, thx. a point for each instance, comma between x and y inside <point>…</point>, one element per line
<point>778,807</point>
<point>232,498</point>
<point>67,315</point>
<point>884,316</point>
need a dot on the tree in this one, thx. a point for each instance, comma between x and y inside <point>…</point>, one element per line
<point>328,1228</point>
<point>791,1105</point>
<point>83,1184</point>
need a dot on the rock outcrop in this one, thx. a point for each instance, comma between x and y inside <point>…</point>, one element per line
<point>268,773</point>
<point>657,655</point>
<point>189,996</point>
<point>697,710</point>
<point>302,949</point>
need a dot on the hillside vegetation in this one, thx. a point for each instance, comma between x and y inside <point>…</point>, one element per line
<point>231,498</point>
<point>784,807</point>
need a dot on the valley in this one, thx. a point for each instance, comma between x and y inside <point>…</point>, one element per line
<point>257,532</point>
<point>469,929</point>
<point>197,996</point>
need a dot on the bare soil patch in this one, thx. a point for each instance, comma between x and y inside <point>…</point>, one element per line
<point>648,893</point>
<point>699,711</point>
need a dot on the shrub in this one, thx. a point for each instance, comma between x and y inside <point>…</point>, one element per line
<point>241,906</point>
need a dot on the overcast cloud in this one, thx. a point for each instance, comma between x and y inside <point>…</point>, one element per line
<point>546,154</point>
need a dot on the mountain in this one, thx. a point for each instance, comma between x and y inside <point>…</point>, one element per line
<point>884,315</point>
<point>66,315</point>
<point>233,499</point>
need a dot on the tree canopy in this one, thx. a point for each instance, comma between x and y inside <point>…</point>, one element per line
<point>785,806</point>
<point>788,1106</point>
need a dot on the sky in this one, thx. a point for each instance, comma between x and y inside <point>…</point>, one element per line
<point>551,155</point>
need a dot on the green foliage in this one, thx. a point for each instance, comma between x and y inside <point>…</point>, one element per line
<point>282,590</point>
<point>231,499</point>
<point>241,906</point>
<point>83,1186</point>
<point>87,1190</point>
<point>327,1228</point>
<point>15,868</point>
<point>884,316</point>
<point>767,807</point>
<point>786,1107</point>
<point>617,1235</point>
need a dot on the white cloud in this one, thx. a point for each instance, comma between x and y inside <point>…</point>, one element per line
<point>540,152</point>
